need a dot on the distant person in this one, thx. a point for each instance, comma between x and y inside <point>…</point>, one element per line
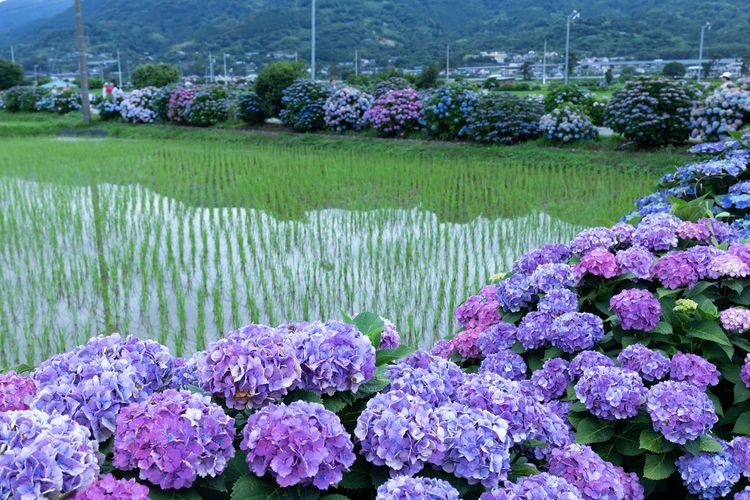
<point>726,80</point>
<point>108,88</point>
<point>332,81</point>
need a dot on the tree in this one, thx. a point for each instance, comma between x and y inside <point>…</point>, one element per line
<point>155,75</point>
<point>707,67</point>
<point>628,73</point>
<point>572,62</point>
<point>11,74</point>
<point>428,77</point>
<point>674,70</point>
<point>745,66</point>
<point>271,82</point>
<point>527,72</point>
<point>609,76</point>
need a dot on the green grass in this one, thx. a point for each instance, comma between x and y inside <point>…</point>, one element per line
<point>179,234</point>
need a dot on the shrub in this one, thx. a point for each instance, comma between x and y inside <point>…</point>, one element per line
<point>23,99</point>
<point>155,75</point>
<point>109,108</point>
<point>505,119</point>
<point>137,106</point>
<point>651,112</point>
<point>722,112</point>
<point>345,109</point>
<point>179,103</point>
<point>64,102</point>
<point>273,80</point>
<point>567,124</point>
<point>396,112</point>
<point>596,111</point>
<point>391,83</point>
<point>160,101</point>
<point>302,105</point>
<point>208,107</point>
<point>249,108</point>
<point>559,94</point>
<point>447,110</point>
<point>11,74</point>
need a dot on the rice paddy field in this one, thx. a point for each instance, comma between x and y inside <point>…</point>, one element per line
<point>183,237</point>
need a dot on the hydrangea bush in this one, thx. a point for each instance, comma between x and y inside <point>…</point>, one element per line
<point>208,107</point>
<point>504,118</point>
<point>567,124</point>
<point>249,108</point>
<point>22,99</point>
<point>395,113</point>
<point>651,112</point>
<point>345,109</point>
<point>138,106</point>
<point>722,112</point>
<point>180,101</point>
<point>447,110</point>
<point>303,105</point>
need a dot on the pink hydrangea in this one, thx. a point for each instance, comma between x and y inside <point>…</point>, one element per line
<point>599,262</point>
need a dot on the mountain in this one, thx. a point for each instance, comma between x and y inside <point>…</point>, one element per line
<point>399,31</point>
<point>15,13</point>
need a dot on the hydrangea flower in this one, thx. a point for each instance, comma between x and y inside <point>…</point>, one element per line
<point>389,337</point>
<point>398,430</point>
<point>677,269</point>
<point>735,319</point>
<point>434,380</point>
<point>416,488</point>
<point>636,260</point>
<point>496,338</point>
<point>741,250</point>
<point>465,343</point>
<point>649,364</point>
<point>543,486</point>
<point>745,371</point>
<point>589,239</point>
<point>515,293</point>
<point>173,438</point>
<point>636,309</point>
<point>743,495</point>
<point>504,118</point>
<point>474,444</point>
<point>623,232</point>
<point>551,381</point>
<point>44,456</point>
<point>708,475</point>
<point>573,332</point>
<point>302,443</point>
<point>548,277</point>
<point>558,302</point>
<point>553,253</point>
<point>694,369</point>
<point>334,356</point>
<point>250,367</point>
<point>729,265</point>
<point>680,411</point>
<point>303,105</point>
<point>505,363</point>
<point>693,231</point>
<point>611,393</point>
<point>585,360</point>
<point>16,391</point>
<point>479,311</point>
<point>567,124</point>
<point>137,106</point>
<point>534,330</point>
<point>598,262</point>
<point>442,349</point>
<point>110,488</point>
<point>345,109</point>
<point>447,109</point>
<point>656,232</point>
<point>739,449</point>
<point>396,112</point>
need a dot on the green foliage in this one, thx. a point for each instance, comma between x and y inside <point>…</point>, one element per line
<point>155,75</point>
<point>674,69</point>
<point>249,108</point>
<point>302,105</point>
<point>23,99</point>
<point>273,80</point>
<point>11,74</point>
<point>559,94</point>
<point>428,77</point>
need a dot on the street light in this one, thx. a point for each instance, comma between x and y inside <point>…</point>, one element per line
<point>312,54</point>
<point>700,52</point>
<point>572,17</point>
<point>225,68</point>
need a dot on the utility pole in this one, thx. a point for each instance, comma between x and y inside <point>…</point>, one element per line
<point>211,66</point>
<point>12,54</point>
<point>36,75</point>
<point>544,64</point>
<point>356,64</point>
<point>85,105</point>
<point>700,52</point>
<point>447,64</point>
<point>572,17</point>
<point>226,82</point>
<point>312,54</point>
<point>119,69</point>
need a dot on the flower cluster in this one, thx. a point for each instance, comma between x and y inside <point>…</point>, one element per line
<point>249,109</point>
<point>551,380</point>
<point>505,363</point>
<point>416,488</point>
<point>174,437</point>
<point>735,319</point>
<point>567,124</point>
<point>680,411</point>
<point>694,369</point>
<point>649,364</point>
<point>708,475</point>
<point>345,109</point>
<point>110,488</point>
<point>303,105</point>
<point>611,393</point>
<point>137,106</point>
<point>23,98</point>
<point>434,380</point>
<point>16,391</point>
<point>479,311</point>
<point>722,112</point>
<point>180,101</point>
<point>541,486</point>
<point>504,119</point>
<point>573,332</point>
<point>447,110</point>
<point>636,309</point>
<point>302,443</point>
<point>586,360</point>
<point>209,107</point>
<point>396,112</point>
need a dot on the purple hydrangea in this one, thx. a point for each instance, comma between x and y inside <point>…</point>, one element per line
<point>474,444</point>
<point>649,364</point>
<point>553,253</point>
<point>398,430</point>
<point>611,393</point>
<point>302,443</point>
<point>728,265</point>
<point>558,302</point>
<point>573,332</point>
<point>505,363</point>
<point>551,380</point>
<point>739,448</point>
<point>708,475</point>
<point>93,382</point>
<point>745,371</point>
<point>589,239</point>
<point>110,488</point>
<point>741,250</point>
<point>250,367</point>
<point>174,437</point>
<point>656,232</point>
<point>432,379</point>
<point>598,262</point>
<point>16,391</point>
<point>636,260</point>
<point>700,257</point>
<point>743,495</point>
<point>465,343</point>
<point>721,231</point>
<point>677,269</point>
<point>623,232</point>
<point>548,277</point>
<point>442,349</point>
<point>389,338</point>
<point>497,337</point>
<point>735,319</point>
<point>693,369</point>
<point>515,293</point>
<point>334,356</point>
<point>541,486</point>
<point>636,309</point>
<point>44,456</point>
<point>693,231</point>
<point>534,330</point>
<point>479,311</point>
<point>585,360</point>
<point>416,488</point>
<point>594,477</point>
<point>680,411</point>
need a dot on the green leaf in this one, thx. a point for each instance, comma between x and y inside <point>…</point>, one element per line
<point>663,327</point>
<point>627,446</point>
<point>156,493</point>
<point>711,331</point>
<point>217,483</point>
<point>741,343</point>
<point>658,467</point>
<point>717,404</point>
<point>375,384</point>
<point>667,292</point>
<point>741,393</point>
<point>734,285</point>
<point>534,443</point>
<point>523,469</point>
<point>591,430</point>
<point>385,356</point>
<point>358,477</point>
<point>742,425</point>
<point>335,496</point>
<point>693,446</point>
<point>654,442</point>
<point>252,487</point>
<point>698,289</point>
<point>707,307</point>
<point>708,443</point>
<point>369,323</point>
<point>300,395</point>
<point>338,401</point>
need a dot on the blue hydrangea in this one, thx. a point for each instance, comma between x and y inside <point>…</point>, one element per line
<point>505,363</point>
<point>573,332</point>
<point>432,379</point>
<point>708,475</point>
